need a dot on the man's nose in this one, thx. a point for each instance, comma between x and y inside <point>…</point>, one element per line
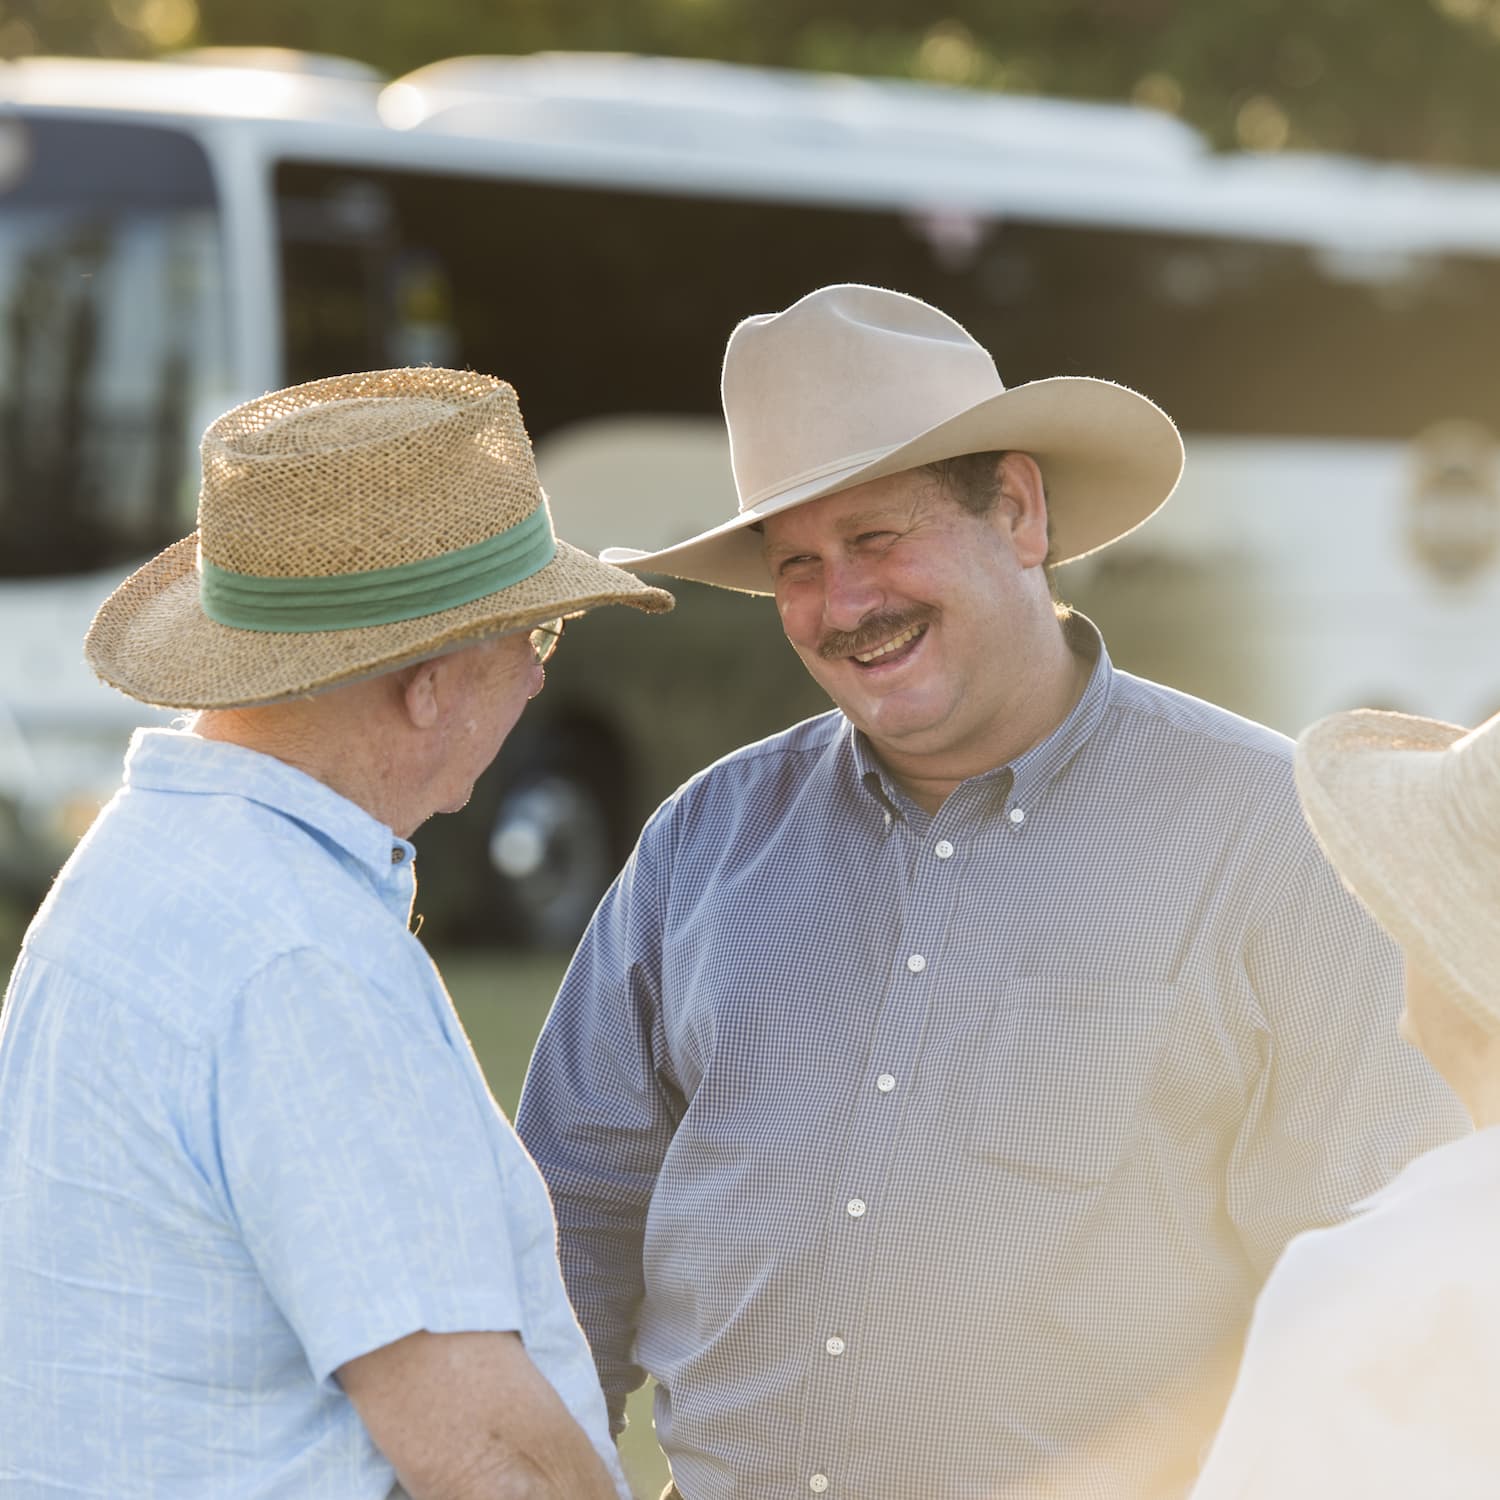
<point>851,593</point>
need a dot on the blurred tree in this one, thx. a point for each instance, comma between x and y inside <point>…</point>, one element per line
<point>1396,78</point>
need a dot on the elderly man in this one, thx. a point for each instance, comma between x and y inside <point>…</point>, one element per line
<point>1374,1356</point>
<point>263,1230</point>
<point>941,1077</point>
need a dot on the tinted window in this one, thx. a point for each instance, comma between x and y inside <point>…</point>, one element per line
<point>593,302</point>
<point>111,325</point>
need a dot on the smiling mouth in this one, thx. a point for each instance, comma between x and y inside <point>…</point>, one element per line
<point>889,650</point>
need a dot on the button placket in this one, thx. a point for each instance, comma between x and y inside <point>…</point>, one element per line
<point>928,892</point>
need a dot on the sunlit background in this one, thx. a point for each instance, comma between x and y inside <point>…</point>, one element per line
<point>1276,217</point>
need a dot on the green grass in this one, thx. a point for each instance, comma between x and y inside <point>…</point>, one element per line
<point>503,1001</point>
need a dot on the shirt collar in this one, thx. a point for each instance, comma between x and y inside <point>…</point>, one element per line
<point>1018,783</point>
<point>172,760</point>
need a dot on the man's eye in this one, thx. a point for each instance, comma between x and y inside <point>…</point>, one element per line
<point>792,564</point>
<point>876,538</point>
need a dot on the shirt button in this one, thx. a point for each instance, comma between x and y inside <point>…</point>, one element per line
<point>818,1483</point>
<point>888,818</point>
<point>397,854</point>
<point>835,1346</point>
<point>916,963</point>
<point>885,1083</point>
<point>856,1208</point>
<point>944,849</point>
<point>1017,816</point>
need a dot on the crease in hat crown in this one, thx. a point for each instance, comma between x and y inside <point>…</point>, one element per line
<point>349,526</point>
<point>860,338</point>
<point>308,516</point>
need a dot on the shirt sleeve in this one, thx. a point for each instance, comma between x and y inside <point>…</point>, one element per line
<point>1341,1103</point>
<point>358,1164</point>
<point>599,1109</point>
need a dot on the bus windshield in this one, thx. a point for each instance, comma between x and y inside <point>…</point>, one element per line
<point>112,335</point>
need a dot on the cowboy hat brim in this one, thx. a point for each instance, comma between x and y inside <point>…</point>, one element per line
<point>1375,790</point>
<point>1110,458</point>
<point>152,640</point>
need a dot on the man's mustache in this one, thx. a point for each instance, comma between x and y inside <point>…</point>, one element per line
<point>872,632</point>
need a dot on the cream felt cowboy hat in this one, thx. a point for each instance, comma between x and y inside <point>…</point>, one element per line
<point>346,527</point>
<point>1408,812</point>
<point>853,383</point>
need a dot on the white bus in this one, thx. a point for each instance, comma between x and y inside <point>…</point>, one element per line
<point>178,236</point>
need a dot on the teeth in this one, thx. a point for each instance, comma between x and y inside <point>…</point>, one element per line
<point>894,644</point>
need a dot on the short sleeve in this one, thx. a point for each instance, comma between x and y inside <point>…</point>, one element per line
<point>358,1158</point>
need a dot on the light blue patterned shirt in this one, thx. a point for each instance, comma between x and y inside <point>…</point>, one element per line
<point>243,1140</point>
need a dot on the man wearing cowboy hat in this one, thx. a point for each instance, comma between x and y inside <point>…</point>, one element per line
<point>263,1230</point>
<point>940,1078</point>
<point>1374,1356</point>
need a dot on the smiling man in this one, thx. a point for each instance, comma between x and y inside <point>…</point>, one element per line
<point>940,1079</point>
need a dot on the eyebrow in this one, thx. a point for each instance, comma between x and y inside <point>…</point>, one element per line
<point>877,518</point>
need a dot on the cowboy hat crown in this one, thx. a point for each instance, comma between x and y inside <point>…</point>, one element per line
<point>853,383</point>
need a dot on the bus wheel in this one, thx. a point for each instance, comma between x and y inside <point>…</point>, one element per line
<point>550,852</point>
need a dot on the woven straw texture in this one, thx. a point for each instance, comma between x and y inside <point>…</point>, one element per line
<point>338,477</point>
<point>1408,812</point>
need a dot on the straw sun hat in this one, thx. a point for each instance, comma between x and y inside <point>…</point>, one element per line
<point>1408,812</point>
<point>854,383</point>
<point>346,527</point>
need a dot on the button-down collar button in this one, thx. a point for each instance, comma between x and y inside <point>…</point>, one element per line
<point>397,854</point>
<point>916,963</point>
<point>944,849</point>
<point>885,1083</point>
<point>818,1483</point>
<point>835,1345</point>
<point>1017,815</point>
<point>855,1208</point>
<point>888,817</point>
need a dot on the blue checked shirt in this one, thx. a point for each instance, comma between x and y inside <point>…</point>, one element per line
<point>243,1140</point>
<point>929,1155</point>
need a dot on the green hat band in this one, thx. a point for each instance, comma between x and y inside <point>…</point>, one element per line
<point>378,596</point>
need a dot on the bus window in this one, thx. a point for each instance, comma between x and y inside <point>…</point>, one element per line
<point>594,301</point>
<point>111,332</point>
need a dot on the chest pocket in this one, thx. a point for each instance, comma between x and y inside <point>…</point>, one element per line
<point>1057,1081</point>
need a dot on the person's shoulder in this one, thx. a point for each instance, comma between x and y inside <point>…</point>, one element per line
<point>790,751</point>
<point>1194,728</point>
<point>172,904</point>
<point>811,737</point>
<point>756,781</point>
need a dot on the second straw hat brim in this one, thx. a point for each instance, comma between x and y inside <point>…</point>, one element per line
<point>1374,790</point>
<point>152,640</point>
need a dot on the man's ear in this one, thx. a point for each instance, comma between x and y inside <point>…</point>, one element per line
<point>419,686</point>
<point>1023,507</point>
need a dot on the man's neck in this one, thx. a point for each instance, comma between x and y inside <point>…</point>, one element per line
<point>1047,699</point>
<point>316,737</point>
